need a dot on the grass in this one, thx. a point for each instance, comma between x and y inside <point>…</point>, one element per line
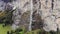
<point>3,30</point>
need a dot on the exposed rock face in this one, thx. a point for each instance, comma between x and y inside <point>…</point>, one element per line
<point>50,14</point>
<point>37,22</point>
<point>48,10</point>
<point>20,16</point>
<point>2,5</point>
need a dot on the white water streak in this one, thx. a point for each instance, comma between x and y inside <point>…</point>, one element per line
<point>31,16</point>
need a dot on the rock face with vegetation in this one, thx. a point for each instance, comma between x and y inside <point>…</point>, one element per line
<point>33,14</point>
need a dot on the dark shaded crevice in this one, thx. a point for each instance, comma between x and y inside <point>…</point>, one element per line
<point>46,2</point>
<point>40,5</point>
<point>37,22</point>
<point>52,6</point>
<point>34,1</point>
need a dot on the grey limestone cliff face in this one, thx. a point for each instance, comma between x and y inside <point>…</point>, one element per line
<point>47,10</point>
<point>51,14</point>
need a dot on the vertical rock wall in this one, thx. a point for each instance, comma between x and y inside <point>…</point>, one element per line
<point>50,14</point>
<point>48,10</point>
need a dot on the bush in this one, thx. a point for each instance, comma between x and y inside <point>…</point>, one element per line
<point>6,17</point>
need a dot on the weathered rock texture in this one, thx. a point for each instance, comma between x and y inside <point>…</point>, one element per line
<point>47,10</point>
<point>50,14</point>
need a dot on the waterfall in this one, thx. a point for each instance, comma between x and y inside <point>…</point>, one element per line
<point>31,15</point>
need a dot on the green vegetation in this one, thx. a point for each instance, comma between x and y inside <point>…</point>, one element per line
<point>3,30</point>
<point>8,30</point>
<point>6,17</point>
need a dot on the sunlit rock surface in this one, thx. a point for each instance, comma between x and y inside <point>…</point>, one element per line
<point>48,10</point>
<point>51,16</point>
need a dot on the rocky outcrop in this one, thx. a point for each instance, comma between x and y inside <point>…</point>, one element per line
<point>48,13</point>
<point>47,9</point>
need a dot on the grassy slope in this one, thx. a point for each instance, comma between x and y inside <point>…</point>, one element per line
<point>3,30</point>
